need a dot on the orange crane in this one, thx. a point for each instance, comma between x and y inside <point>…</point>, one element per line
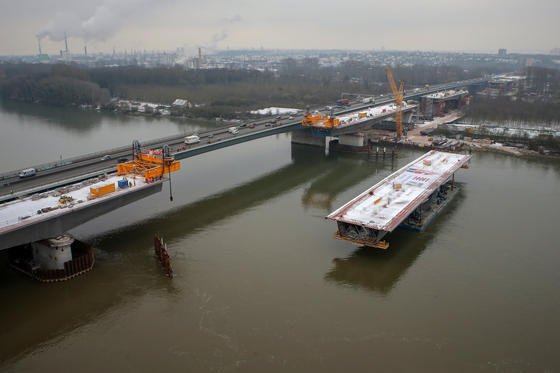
<point>318,120</point>
<point>150,164</point>
<point>399,96</point>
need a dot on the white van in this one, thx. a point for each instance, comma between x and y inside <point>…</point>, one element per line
<point>233,130</point>
<point>27,172</point>
<point>192,139</point>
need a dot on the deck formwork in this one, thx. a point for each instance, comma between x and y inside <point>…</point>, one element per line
<point>410,196</point>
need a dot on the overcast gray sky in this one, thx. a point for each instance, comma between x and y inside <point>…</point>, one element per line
<point>442,25</point>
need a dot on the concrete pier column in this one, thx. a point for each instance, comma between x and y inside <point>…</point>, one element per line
<point>356,140</point>
<point>52,253</point>
<point>306,137</point>
<point>407,117</point>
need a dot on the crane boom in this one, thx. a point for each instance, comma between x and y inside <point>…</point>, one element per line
<point>399,95</point>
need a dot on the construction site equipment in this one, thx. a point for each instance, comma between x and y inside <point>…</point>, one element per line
<point>100,191</point>
<point>328,121</point>
<point>150,164</point>
<point>123,183</point>
<point>160,250</point>
<point>399,96</point>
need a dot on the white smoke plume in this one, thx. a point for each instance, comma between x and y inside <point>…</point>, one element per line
<point>106,19</point>
<point>191,50</point>
<point>233,19</point>
<point>223,34</point>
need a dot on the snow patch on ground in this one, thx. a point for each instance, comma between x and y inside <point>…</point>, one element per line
<point>25,210</point>
<point>275,111</point>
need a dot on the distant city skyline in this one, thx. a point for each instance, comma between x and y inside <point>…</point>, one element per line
<point>124,25</point>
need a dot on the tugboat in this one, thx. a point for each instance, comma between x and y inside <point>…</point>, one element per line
<point>54,259</point>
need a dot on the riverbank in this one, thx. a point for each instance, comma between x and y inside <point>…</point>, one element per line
<point>442,133</point>
<point>474,145</point>
<point>471,145</point>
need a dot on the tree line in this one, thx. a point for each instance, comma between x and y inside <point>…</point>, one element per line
<point>59,85</point>
<point>219,92</point>
<point>503,109</point>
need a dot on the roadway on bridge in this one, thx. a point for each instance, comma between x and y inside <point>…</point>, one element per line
<point>87,166</point>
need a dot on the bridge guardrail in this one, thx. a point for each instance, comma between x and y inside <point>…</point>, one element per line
<point>85,157</point>
<point>66,161</point>
<point>71,160</point>
<point>423,91</point>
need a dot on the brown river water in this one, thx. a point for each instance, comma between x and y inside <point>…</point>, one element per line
<point>260,283</point>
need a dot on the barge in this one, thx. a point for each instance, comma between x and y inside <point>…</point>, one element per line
<point>411,197</point>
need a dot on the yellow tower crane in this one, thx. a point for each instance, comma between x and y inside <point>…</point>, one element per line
<point>399,96</point>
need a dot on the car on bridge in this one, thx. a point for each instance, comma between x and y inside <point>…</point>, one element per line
<point>192,139</point>
<point>28,172</point>
<point>106,157</point>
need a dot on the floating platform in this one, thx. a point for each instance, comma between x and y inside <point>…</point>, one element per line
<point>411,196</point>
<point>422,218</point>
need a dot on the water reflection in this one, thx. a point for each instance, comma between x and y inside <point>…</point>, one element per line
<point>75,120</point>
<point>38,313</point>
<point>179,223</point>
<point>378,270</point>
<point>70,119</point>
<point>505,160</point>
<point>126,269</point>
<point>346,172</point>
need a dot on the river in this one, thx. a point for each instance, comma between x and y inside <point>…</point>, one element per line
<point>260,283</point>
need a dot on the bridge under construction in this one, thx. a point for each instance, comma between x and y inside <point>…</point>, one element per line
<point>410,197</point>
<point>69,194</point>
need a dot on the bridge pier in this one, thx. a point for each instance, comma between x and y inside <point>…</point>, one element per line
<point>436,104</point>
<point>53,259</point>
<point>407,117</point>
<point>52,253</point>
<point>308,137</point>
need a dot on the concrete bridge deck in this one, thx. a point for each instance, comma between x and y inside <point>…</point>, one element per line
<point>79,168</point>
<point>53,175</point>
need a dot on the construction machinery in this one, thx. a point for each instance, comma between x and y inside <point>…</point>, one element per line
<point>150,164</point>
<point>399,96</point>
<point>328,121</point>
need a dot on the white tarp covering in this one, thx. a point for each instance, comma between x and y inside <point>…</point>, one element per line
<point>384,206</point>
<point>275,111</point>
<point>352,118</point>
<point>25,210</point>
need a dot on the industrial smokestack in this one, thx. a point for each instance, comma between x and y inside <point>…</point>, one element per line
<point>66,42</point>
<point>85,50</point>
<point>39,45</point>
